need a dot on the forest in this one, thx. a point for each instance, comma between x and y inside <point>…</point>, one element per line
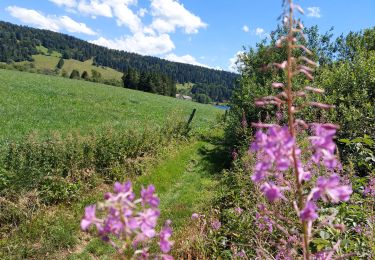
<point>18,43</point>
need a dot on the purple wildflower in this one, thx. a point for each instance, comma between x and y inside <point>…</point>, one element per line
<point>263,221</point>
<point>370,188</point>
<point>330,187</point>
<point>147,222</point>
<point>165,244</point>
<point>241,254</point>
<point>238,210</point>
<point>274,149</point>
<point>215,224</point>
<point>132,221</point>
<point>324,146</point>
<point>309,212</point>
<point>148,196</point>
<point>89,218</point>
<point>271,191</point>
<point>195,216</point>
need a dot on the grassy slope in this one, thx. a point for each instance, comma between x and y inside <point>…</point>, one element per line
<point>32,102</point>
<point>44,50</point>
<point>107,73</point>
<point>46,61</point>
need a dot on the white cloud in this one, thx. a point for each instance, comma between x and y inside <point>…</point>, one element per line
<point>74,27</point>
<point>142,12</point>
<point>126,17</point>
<point>234,64</point>
<point>30,16</point>
<point>109,8</point>
<point>313,11</point>
<point>185,59</point>
<point>146,39</point>
<point>259,31</point>
<point>94,8</point>
<point>53,23</point>
<point>170,14</point>
<point>245,28</point>
<point>65,3</point>
<point>140,43</point>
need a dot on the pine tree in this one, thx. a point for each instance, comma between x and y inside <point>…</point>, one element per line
<point>85,75</point>
<point>60,64</point>
<point>75,74</point>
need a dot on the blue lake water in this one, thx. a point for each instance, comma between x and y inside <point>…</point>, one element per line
<point>223,107</point>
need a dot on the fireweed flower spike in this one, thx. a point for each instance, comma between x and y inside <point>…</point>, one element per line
<point>128,223</point>
<point>276,147</point>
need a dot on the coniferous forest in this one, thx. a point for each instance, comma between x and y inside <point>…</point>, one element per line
<point>18,43</point>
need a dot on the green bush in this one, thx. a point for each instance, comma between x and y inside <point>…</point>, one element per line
<point>60,169</point>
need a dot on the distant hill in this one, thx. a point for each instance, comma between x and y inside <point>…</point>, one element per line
<point>19,43</point>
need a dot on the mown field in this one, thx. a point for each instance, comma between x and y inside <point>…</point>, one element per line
<point>43,104</point>
<point>44,61</point>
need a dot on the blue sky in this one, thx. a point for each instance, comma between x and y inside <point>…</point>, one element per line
<point>202,32</point>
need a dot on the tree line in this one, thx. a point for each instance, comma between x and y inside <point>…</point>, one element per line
<point>149,82</point>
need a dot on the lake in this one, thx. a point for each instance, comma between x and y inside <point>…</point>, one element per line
<point>222,107</point>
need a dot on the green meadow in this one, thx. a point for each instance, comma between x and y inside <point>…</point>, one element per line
<point>32,103</point>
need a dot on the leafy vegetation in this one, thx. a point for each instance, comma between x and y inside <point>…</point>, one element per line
<point>346,74</point>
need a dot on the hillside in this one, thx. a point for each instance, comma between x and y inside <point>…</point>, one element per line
<point>49,62</point>
<point>43,104</point>
<point>19,43</point>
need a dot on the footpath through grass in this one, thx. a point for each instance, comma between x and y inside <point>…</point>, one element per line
<point>185,182</point>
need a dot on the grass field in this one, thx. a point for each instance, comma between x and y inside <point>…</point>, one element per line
<point>107,73</point>
<point>43,104</point>
<point>42,61</point>
<point>43,50</point>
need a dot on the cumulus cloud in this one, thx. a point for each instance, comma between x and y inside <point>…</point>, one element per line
<point>65,3</point>
<point>234,63</point>
<point>245,28</point>
<point>53,23</point>
<point>125,16</point>
<point>170,14</point>
<point>94,8</point>
<point>139,43</point>
<point>313,11</point>
<point>151,39</point>
<point>75,27</point>
<point>185,59</point>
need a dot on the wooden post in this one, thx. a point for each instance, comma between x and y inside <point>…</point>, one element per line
<point>191,117</point>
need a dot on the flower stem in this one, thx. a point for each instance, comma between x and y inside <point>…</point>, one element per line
<point>289,92</point>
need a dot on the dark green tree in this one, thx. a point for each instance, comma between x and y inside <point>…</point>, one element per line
<point>60,64</point>
<point>85,75</point>
<point>75,74</point>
